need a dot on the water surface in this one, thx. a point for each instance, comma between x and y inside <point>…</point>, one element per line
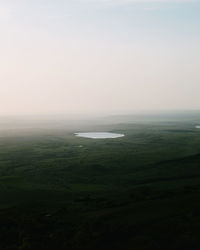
<point>197,126</point>
<point>99,135</point>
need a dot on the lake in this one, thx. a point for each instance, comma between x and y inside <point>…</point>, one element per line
<point>198,126</point>
<point>99,135</point>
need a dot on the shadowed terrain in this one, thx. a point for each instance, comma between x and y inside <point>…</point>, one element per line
<point>140,191</point>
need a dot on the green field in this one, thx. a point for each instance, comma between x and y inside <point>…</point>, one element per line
<point>138,192</point>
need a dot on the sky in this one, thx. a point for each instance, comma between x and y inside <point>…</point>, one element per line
<point>99,56</point>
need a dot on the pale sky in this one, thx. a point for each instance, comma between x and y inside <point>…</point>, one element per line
<point>96,56</point>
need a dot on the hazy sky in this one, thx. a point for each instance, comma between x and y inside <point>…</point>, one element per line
<point>92,56</point>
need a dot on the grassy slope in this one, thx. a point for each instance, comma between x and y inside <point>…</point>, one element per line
<point>138,192</point>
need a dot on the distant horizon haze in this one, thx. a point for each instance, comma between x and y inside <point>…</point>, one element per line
<point>93,115</point>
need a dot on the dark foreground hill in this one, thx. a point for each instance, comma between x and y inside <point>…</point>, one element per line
<point>138,192</point>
